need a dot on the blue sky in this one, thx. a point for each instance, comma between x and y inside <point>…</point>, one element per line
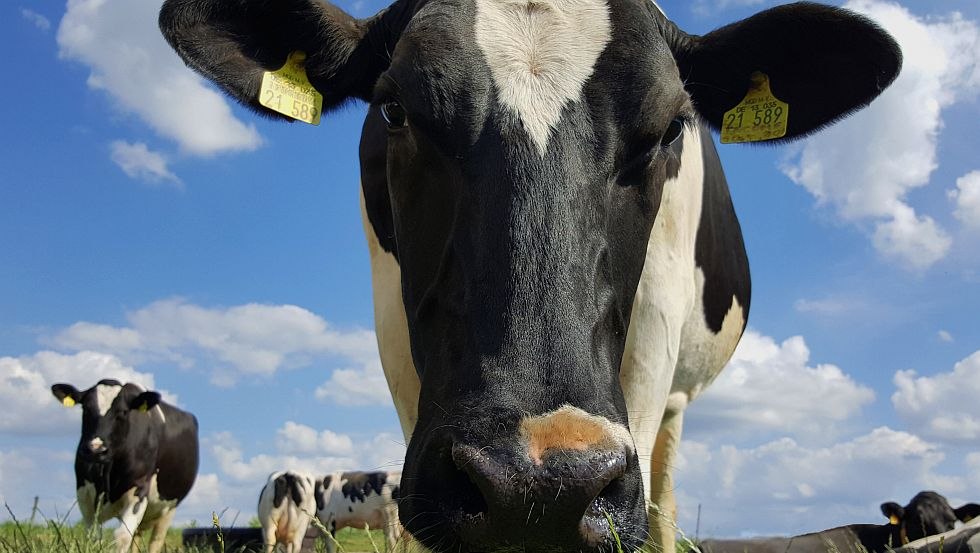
<point>153,231</point>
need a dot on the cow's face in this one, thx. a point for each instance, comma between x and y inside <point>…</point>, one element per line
<point>110,413</point>
<point>514,159</point>
<point>927,514</point>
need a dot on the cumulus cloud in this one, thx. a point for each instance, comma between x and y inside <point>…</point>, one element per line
<point>37,19</point>
<point>139,162</point>
<point>25,388</point>
<point>255,339</point>
<point>299,439</point>
<point>337,452</point>
<point>865,166</point>
<point>770,387</point>
<point>941,407</point>
<point>365,385</point>
<point>790,488</point>
<point>118,40</point>
<point>28,472</point>
<point>967,198</point>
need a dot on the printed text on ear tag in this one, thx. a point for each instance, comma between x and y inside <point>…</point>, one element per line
<point>68,401</point>
<point>759,116</point>
<point>289,91</point>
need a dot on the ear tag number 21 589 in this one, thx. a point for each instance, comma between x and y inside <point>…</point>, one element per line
<point>289,92</point>
<point>759,116</point>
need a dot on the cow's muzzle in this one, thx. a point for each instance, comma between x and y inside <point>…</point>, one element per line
<point>458,496</point>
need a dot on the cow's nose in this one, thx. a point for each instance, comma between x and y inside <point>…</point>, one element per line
<point>564,486</point>
<point>97,446</point>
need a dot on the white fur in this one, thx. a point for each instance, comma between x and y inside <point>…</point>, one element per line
<point>134,514</point>
<point>287,523</point>
<point>105,394</point>
<point>391,328</point>
<point>540,53</point>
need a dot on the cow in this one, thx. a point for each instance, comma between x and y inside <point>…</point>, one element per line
<point>927,514</point>
<point>359,500</point>
<point>136,460</point>
<point>557,268</point>
<point>287,504</point>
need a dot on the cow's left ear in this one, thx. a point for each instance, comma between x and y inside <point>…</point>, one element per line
<point>967,512</point>
<point>824,62</point>
<point>68,395</point>
<point>893,511</point>
<point>234,42</point>
<point>145,401</point>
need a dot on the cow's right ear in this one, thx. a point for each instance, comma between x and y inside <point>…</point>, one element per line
<point>893,511</point>
<point>234,42</point>
<point>67,394</point>
<point>967,512</point>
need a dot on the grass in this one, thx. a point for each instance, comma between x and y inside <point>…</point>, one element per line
<point>38,534</point>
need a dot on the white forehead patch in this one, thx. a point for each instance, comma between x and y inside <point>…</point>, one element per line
<point>540,54</point>
<point>105,394</point>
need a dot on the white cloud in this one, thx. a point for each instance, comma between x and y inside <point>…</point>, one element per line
<point>120,43</point>
<point>945,336</point>
<point>361,386</point>
<point>139,162</point>
<point>967,198</point>
<point>37,19</point>
<point>914,239</point>
<point>866,165</point>
<point>25,388</point>
<point>790,488</point>
<point>27,473</point>
<point>299,439</point>
<point>326,452</point>
<point>941,407</point>
<point>769,387</point>
<point>255,339</point>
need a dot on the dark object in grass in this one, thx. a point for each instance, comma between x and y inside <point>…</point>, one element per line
<point>238,540</point>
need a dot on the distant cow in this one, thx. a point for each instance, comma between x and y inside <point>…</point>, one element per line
<point>287,503</point>
<point>136,461</point>
<point>359,499</point>
<point>927,514</point>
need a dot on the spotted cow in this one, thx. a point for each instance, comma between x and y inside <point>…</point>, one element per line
<point>136,460</point>
<point>358,500</point>
<point>287,504</point>
<point>557,265</point>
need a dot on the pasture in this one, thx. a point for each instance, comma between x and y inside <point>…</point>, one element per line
<point>39,534</point>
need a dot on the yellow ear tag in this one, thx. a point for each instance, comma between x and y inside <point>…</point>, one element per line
<point>68,401</point>
<point>893,519</point>
<point>760,115</point>
<point>289,91</point>
<point>143,407</point>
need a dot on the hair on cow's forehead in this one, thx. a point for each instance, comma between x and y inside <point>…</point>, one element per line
<point>540,54</point>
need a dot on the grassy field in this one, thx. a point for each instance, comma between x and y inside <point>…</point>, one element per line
<point>58,537</point>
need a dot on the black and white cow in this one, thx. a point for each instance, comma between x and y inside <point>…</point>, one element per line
<point>136,460</point>
<point>557,266</point>
<point>358,500</point>
<point>927,514</point>
<point>287,504</point>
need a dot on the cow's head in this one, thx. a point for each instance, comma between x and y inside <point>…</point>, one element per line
<point>111,412</point>
<point>927,514</point>
<point>513,161</point>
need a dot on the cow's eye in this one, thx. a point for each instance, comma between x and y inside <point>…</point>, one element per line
<point>394,115</point>
<point>673,132</point>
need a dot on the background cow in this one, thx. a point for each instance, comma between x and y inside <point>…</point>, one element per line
<point>358,500</point>
<point>927,514</point>
<point>557,266</point>
<point>287,503</point>
<point>136,461</point>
